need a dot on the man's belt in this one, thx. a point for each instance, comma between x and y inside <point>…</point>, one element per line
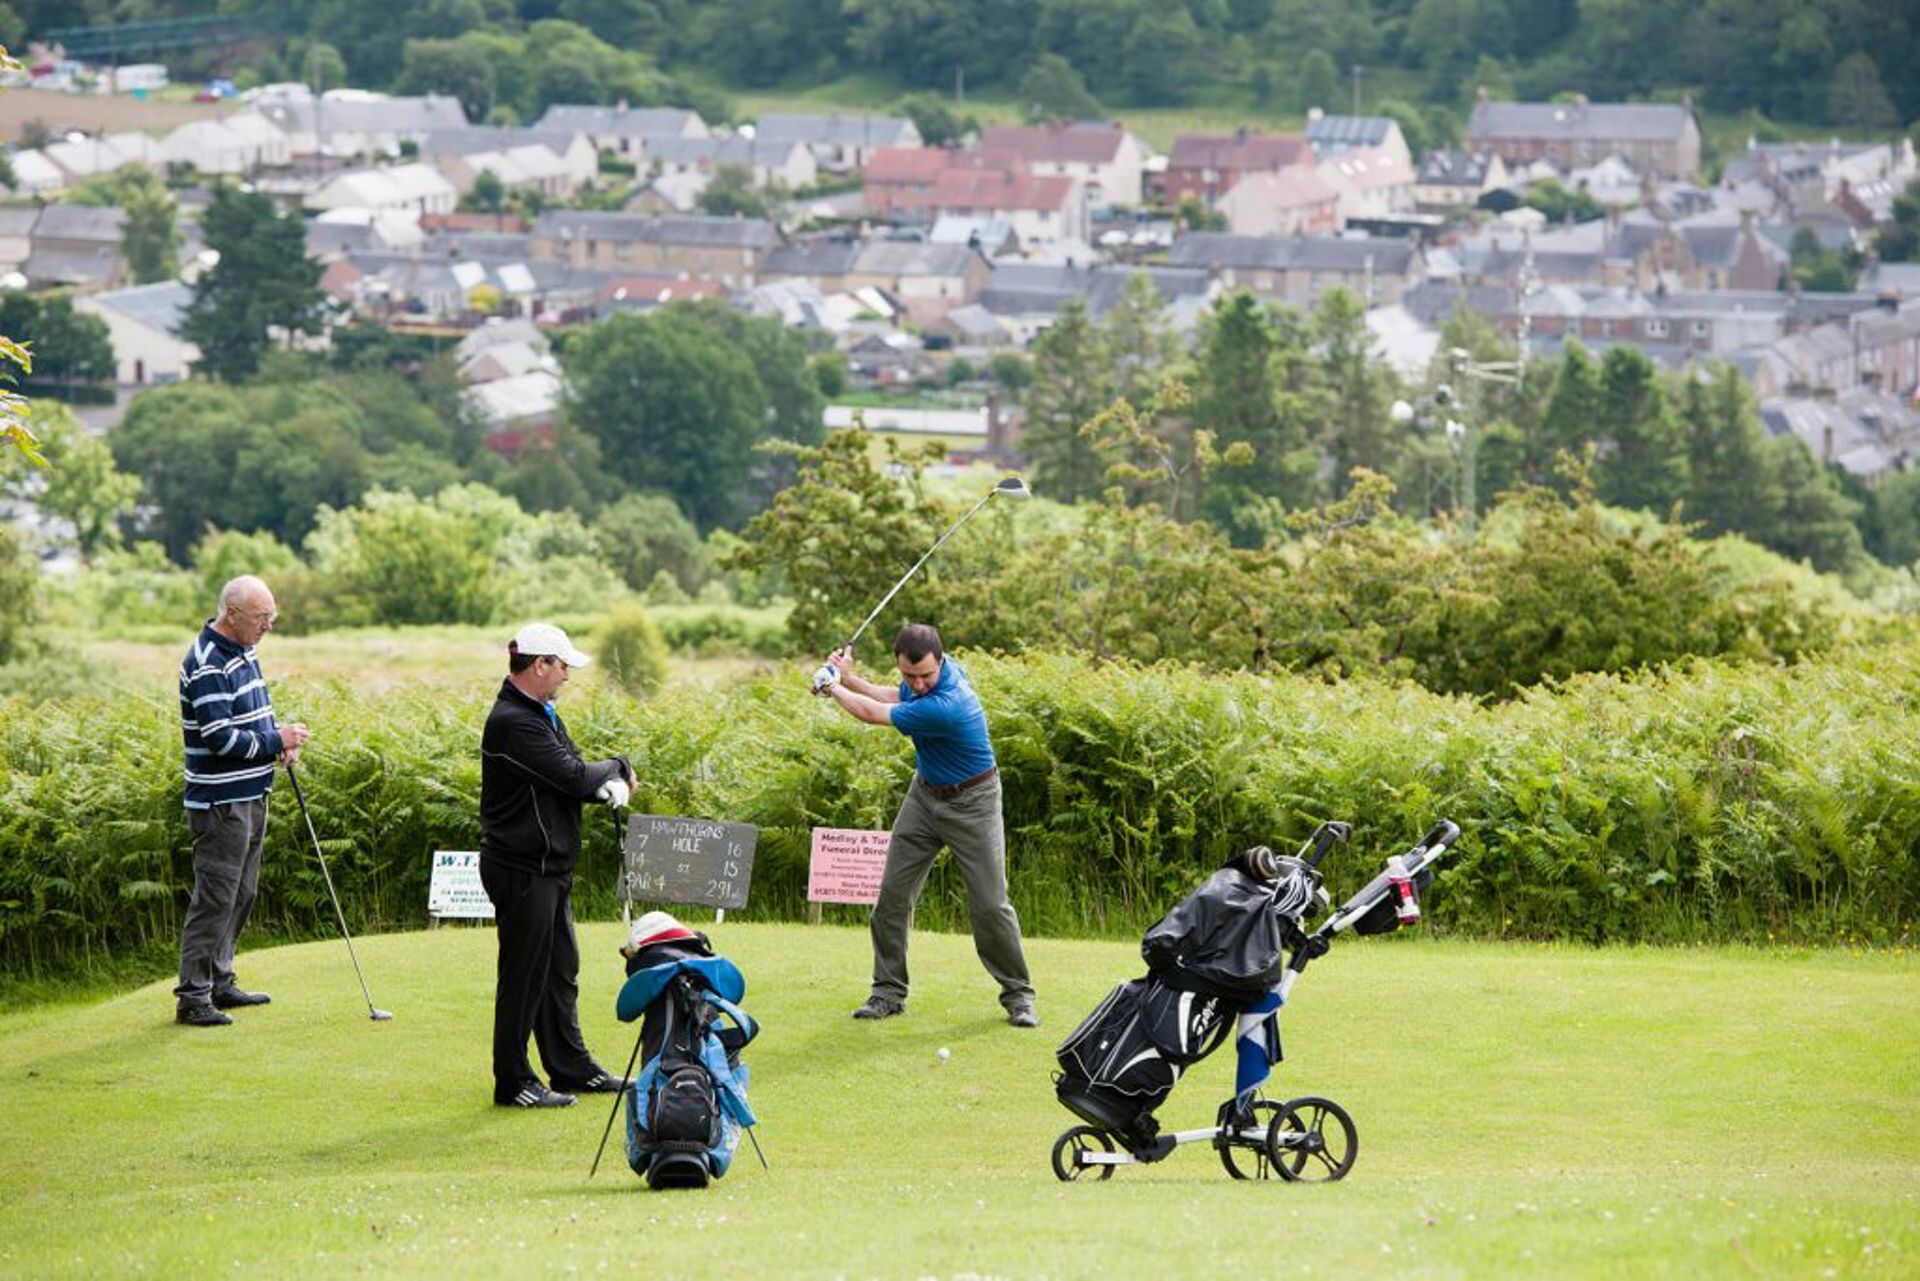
<point>954,789</point>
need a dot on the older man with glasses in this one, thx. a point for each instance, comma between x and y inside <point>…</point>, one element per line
<point>232,747</point>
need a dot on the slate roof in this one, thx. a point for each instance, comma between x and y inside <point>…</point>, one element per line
<point>913,258</point>
<point>103,225</point>
<point>627,122</point>
<point>1445,168</point>
<point>836,130</point>
<point>1217,251</point>
<point>1330,135</point>
<point>157,306</point>
<point>1026,289</point>
<point>812,258</point>
<point>1598,121</point>
<point>672,229</point>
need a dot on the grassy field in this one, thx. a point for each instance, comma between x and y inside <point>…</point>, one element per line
<point>376,659</point>
<point>1522,1112</point>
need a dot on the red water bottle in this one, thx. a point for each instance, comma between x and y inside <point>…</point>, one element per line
<point>1406,906</point>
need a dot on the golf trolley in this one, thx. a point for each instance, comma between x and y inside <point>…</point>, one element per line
<point>1124,1058</point>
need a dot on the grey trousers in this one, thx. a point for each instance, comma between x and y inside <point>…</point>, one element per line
<point>226,878</point>
<point>968,824</point>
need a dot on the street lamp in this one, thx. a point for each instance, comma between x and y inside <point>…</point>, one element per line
<point>1457,418</point>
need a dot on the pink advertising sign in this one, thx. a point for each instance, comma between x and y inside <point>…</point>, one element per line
<point>846,865</point>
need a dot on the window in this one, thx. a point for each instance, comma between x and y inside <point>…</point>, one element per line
<point>1656,329</point>
<point>1700,329</point>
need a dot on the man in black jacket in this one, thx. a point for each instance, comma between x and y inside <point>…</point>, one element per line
<point>532,784</point>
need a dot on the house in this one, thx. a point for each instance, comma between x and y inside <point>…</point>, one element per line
<point>1025,297</point>
<point>1368,183</point>
<point>576,151</point>
<point>1894,279</point>
<point>530,167</point>
<point>354,122</point>
<point>1206,166</point>
<point>929,280</point>
<point>1448,179</point>
<point>1878,348</point>
<point>827,263</point>
<point>240,144</point>
<point>1038,208</point>
<point>1661,139</point>
<point>417,187</point>
<point>35,175</point>
<point>76,245</point>
<point>1298,270</point>
<point>143,325</point>
<point>1102,158</point>
<point>1356,135</point>
<point>728,250</point>
<point>519,411</point>
<point>839,143</point>
<point>1293,202</point>
<point>359,230</point>
<point>898,182</point>
<point>969,326</point>
<point>624,131</point>
<point>103,154</point>
<point>16,235</point>
<point>1807,176</point>
<point>773,164</point>
<point>1865,432</point>
<point>993,237</point>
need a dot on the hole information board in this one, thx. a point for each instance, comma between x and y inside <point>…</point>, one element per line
<point>454,891</point>
<point>687,860</point>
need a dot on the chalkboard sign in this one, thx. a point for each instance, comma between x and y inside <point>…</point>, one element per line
<point>688,860</point>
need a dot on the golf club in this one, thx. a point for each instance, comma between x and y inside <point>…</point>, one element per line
<point>1011,487</point>
<point>378,1016</point>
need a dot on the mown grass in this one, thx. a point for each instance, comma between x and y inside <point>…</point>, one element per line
<point>1523,1111</point>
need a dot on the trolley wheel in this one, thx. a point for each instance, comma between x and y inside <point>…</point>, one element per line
<point>1253,1160</point>
<point>1312,1140</point>
<point>1069,1147</point>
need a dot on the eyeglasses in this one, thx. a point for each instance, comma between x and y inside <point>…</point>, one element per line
<point>266,617</point>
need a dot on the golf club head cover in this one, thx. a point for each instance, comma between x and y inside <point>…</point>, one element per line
<point>615,793</point>
<point>825,678</point>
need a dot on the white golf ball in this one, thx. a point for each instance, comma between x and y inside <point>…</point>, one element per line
<point>944,1055</point>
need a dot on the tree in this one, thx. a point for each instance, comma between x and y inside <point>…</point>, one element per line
<point>1137,337</point>
<point>1163,55</point>
<point>1358,430</point>
<point>83,487</point>
<point>1317,81</point>
<point>645,535</point>
<point>1647,467</point>
<point>1733,484</point>
<point>1572,418</point>
<point>264,282</point>
<point>731,193</point>
<point>1246,394</point>
<point>1054,90</point>
<point>488,194</point>
<point>1858,98</point>
<point>1072,382</point>
<point>1899,238</point>
<point>70,347</point>
<point>151,240</point>
<point>1816,521</point>
<point>679,398</point>
<point>937,122</point>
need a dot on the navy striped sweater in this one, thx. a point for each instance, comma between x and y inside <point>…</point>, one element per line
<point>232,741</point>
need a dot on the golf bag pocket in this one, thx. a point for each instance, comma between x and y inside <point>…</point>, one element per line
<point>1384,917</point>
<point>684,1109</point>
<point>1123,1060</point>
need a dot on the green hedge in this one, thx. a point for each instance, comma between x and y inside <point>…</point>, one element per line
<point>1719,801</point>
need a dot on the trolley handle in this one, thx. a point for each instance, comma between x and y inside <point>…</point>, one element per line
<point>1324,838</point>
<point>1439,838</point>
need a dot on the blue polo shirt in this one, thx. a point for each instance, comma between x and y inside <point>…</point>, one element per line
<point>948,727</point>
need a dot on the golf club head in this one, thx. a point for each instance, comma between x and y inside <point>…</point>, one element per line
<point>1013,487</point>
<point>379,1016</point>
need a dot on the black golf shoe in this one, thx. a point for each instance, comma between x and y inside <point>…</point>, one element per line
<point>879,1007</point>
<point>233,998</point>
<point>200,1016</point>
<point>601,1082</point>
<point>533,1095</point>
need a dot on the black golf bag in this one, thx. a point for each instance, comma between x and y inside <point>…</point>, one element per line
<point>686,1108</point>
<point>1209,960</point>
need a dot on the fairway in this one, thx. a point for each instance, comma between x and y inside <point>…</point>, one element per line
<point>1523,1111</point>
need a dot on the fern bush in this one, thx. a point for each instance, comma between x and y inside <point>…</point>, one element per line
<point>1714,800</point>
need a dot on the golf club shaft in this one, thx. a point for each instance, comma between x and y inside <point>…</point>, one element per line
<point>859,631</point>
<point>314,836</point>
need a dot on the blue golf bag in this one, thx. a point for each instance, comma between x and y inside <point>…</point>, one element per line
<point>688,1104</point>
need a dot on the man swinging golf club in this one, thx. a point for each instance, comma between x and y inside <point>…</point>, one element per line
<point>232,747</point>
<point>533,782</point>
<point>954,800</point>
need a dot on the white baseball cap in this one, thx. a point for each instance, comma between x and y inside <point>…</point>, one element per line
<point>543,640</point>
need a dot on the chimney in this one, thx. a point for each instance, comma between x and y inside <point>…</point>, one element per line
<point>1580,103</point>
<point>1480,95</point>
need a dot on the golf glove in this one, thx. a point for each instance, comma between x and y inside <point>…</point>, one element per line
<point>825,678</point>
<point>614,792</point>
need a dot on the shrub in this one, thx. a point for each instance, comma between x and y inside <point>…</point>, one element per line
<point>631,651</point>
